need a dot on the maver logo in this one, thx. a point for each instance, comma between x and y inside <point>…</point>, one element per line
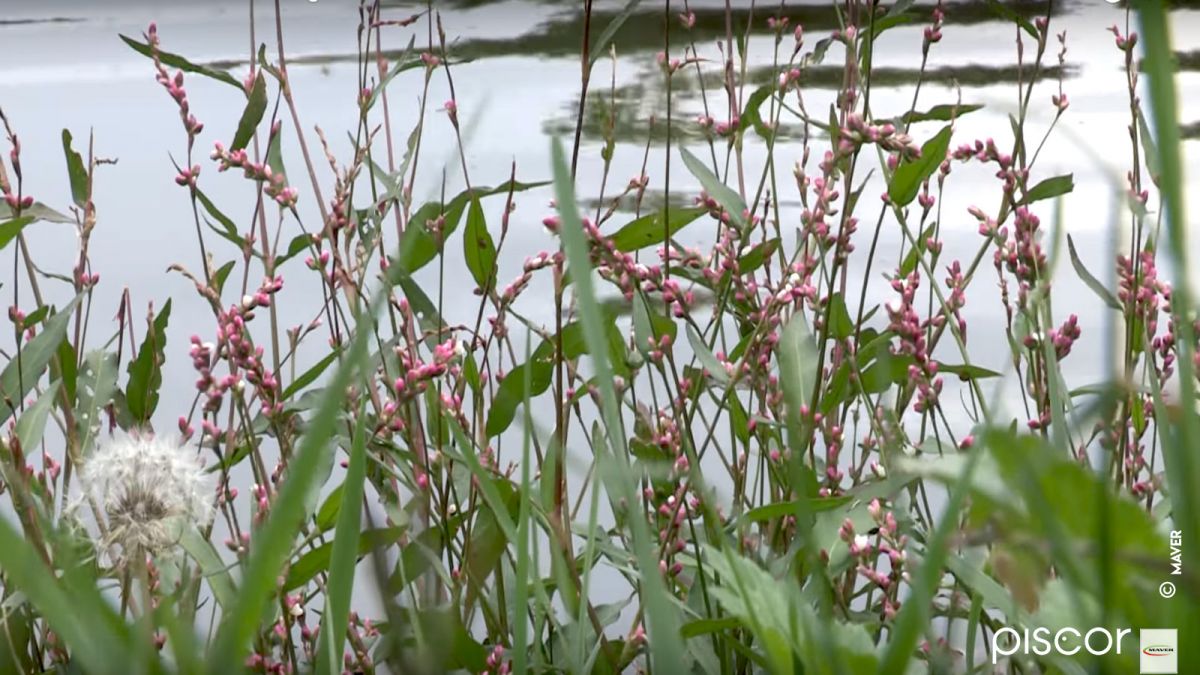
<point>1159,650</point>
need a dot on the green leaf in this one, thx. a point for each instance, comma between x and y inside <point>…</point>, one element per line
<point>665,646</point>
<point>817,55</point>
<point>65,369</point>
<point>222,274</point>
<point>1149,147</point>
<point>913,619</point>
<point>327,515</point>
<point>610,32</point>
<point>913,257</point>
<point>145,371</point>
<point>424,309</point>
<point>940,113</point>
<point>17,625</point>
<point>417,245</point>
<point>91,628</point>
<point>648,325</point>
<point>797,362</point>
<point>1091,281</point>
<point>650,229</point>
<point>20,375</point>
<point>841,326</point>
<point>1005,12</point>
<point>900,7</point>
<point>340,587</point>
<point>478,248</point>
<point>299,244</point>
<point>752,116</point>
<point>716,370</point>
<point>309,376</point>
<point>421,554</point>
<point>707,626</point>
<point>9,229</point>
<point>726,197</point>
<point>32,424</point>
<point>274,539</point>
<point>228,229</point>
<point>38,211</point>
<point>400,65</point>
<point>76,172</point>
<point>176,61</point>
<point>98,382</point>
<point>488,540</point>
<point>1179,458</point>
<point>783,509</point>
<point>252,115</point>
<point>537,371</point>
<point>967,372</point>
<point>1049,188</point>
<point>318,560</point>
<point>512,391</point>
<point>766,605</point>
<point>907,180</point>
<point>757,256</point>
<point>216,572</point>
<point>888,22</point>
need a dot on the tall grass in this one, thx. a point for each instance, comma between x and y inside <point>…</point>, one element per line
<point>752,437</point>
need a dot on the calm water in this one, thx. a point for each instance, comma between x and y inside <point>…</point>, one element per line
<point>64,67</point>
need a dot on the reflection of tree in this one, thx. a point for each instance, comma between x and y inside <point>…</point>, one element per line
<point>636,101</point>
<point>643,31</point>
<point>559,30</point>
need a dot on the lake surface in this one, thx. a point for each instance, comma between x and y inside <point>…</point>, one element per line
<point>64,66</point>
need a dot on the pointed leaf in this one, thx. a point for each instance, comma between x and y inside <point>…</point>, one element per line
<point>726,197</point>
<point>252,115</point>
<point>478,248</point>
<point>907,180</point>
<point>1091,281</point>
<point>76,171</point>
<point>176,61</point>
<point>9,229</point>
<point>20,375</point>
<point>650,230</point>
<point>940,113</point>
<point>145,371</point>
<point>1049,188</point>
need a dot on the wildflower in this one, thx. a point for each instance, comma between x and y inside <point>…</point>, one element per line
<point>146,486</point>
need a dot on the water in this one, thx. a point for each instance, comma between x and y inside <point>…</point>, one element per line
<point>63,66</point>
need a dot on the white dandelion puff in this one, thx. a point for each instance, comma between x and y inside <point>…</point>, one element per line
<point>145,488</point>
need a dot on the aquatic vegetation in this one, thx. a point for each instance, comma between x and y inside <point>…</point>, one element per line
<point>799,395</point>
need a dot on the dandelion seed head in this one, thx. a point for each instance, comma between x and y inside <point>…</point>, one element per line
<point>146,487</point>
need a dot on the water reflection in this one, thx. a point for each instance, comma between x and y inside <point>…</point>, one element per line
<point>642,31</point>
<point>632,105</point>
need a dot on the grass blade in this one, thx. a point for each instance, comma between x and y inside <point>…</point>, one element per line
<point>345,554</point>
<point>1182,473</point>
<point>662,628</point>
<point>272,545</point>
